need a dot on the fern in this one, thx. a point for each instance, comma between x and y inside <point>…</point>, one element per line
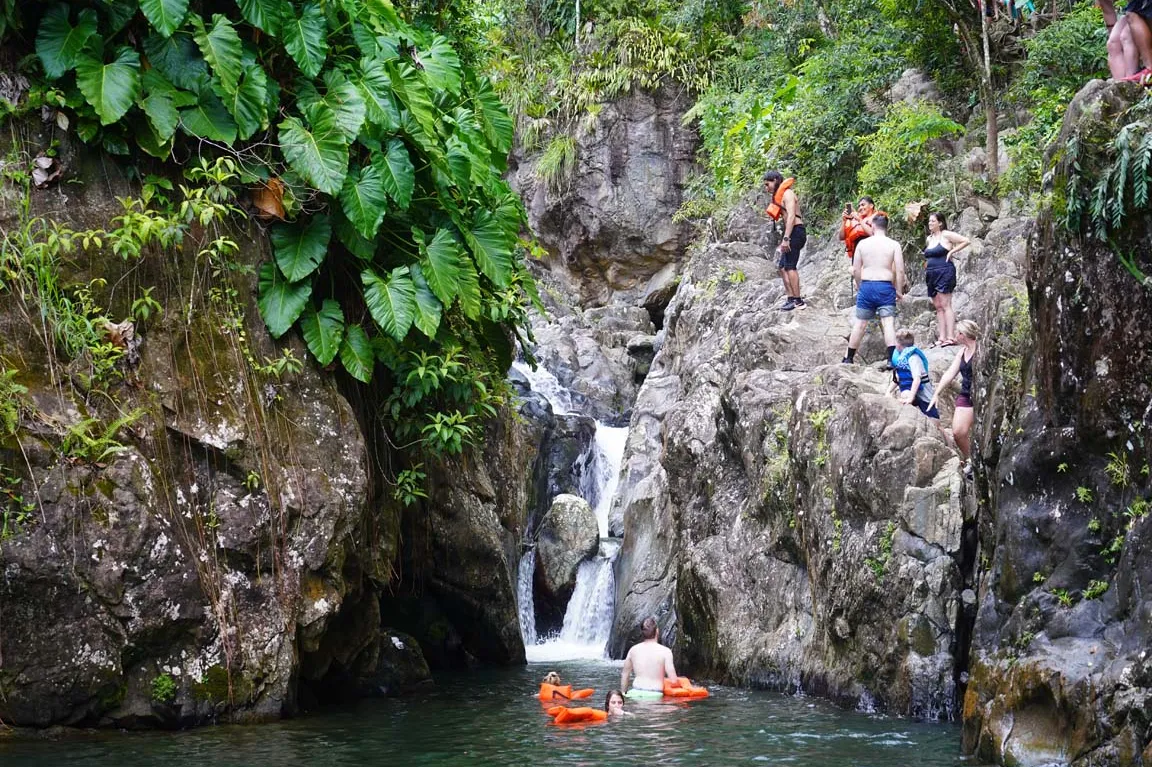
<point>558,162</point>
<point>85,442</point>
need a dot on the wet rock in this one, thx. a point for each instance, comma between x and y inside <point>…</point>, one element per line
<point>568,535</point>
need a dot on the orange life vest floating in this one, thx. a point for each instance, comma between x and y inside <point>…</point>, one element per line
<point>577,715</point>
<point>683,688</point>
<point>551,692</point>
<point>776,208</point>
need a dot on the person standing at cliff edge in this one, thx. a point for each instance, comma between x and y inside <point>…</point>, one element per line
<point>652,663</point>
<point>878,271</point>
<point>785,203</point>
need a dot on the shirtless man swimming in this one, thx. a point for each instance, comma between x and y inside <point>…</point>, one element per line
<point>878,270</point>
<point>651,661</point>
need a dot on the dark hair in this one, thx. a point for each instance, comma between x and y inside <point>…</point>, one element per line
<point>648,628</point>
<point>869,200</point>
<point>880,220</point>
<point>608,698</point>
<point>940,218</point>
<point>773,175</point>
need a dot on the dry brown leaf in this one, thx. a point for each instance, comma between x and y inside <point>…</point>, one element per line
<point>913,210</point>
<point>120,333</point>
<point>268,198</point>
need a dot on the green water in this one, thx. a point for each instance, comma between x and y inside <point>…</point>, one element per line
<point>492,718</point>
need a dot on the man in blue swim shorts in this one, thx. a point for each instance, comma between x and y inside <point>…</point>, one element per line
<point>878,269</point>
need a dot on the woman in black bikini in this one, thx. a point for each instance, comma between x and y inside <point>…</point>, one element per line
<point>941,275</point>
<point>967,336</point>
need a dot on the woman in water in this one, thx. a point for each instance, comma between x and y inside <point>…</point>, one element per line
<point>614,704</point>
<point>940,275</point>
<point>967,336</point>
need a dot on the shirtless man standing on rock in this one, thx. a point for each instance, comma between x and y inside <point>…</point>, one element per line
<point>878,269</point>
<point>652,663</point>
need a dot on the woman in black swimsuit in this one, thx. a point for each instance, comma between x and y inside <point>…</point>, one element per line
<point>967,335</point>
<point>941,275</point>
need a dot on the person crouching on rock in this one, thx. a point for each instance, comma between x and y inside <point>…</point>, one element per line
<point>910,371</point>
<point>785,203</point>
<point>968,336</point>
<point>878,271</point>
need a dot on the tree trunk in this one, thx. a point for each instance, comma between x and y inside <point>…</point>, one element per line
<point>989,98</point>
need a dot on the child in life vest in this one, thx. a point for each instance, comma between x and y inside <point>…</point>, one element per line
<point>910,374</point>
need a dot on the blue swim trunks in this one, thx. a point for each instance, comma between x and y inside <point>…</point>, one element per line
<point>876,298</point>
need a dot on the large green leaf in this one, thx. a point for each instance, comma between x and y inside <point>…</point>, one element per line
<point>165,16</point>
<point>471,300</point>
<point>208,118</point>
<point>379,100</point>
<point>221,48</point>
<point>266,15</point>
<point>117,14</point>
<point>160,103</point>
<point>428,308</point>
<point>300,247</point>
<point>498,126</point>
<point>248,104</point>
<point>491,247</point>
<point>319,155</point>
<point>391,301</point>
<point>323,331</point>
<point>58,43</point>
<point>459,161</point>
<point>281,301</point>
<point>112,88</point>
<point>356,243</point>
<point>410,86</point>
<point>176,58</point>
<point>306,38</point>
<point>441,65</point>
<point>364,201</point>
<point>441,266</point>
<point>356,354</point>
<point>346,102</point>
<point>396,172</point>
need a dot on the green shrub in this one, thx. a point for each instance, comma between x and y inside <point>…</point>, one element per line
<point>164,689</point>
<point>901,166</point>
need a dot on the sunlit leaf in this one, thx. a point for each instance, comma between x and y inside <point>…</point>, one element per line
<point>300,247</point>
<point>281,302</point>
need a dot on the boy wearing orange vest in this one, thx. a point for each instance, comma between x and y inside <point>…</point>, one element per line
<point>785,203</point>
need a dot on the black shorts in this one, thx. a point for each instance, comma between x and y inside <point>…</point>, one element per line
<point>1142,7</point>
<point>940,278</point>
<point>789,259</point>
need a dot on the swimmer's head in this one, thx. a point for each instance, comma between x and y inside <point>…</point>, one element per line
<point>614,703</point>
<point>552,678</point>
<point>648,628</point>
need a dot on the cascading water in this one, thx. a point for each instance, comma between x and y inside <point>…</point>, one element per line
<point>588,618</point>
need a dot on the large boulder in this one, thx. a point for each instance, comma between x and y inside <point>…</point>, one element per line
<point>1060,670</point>
<point>568,535</point>
<point>611,228</point>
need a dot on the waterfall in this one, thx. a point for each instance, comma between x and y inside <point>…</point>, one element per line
<point>524,597</point>
<point>588,617</point>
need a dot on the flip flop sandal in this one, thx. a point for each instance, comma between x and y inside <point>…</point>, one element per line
<point>948,343</point>
<point>936,345</point>
<point>1140,77</point>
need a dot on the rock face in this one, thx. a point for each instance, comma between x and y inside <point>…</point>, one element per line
<point>789,524</point>
<point>568,535</point>
<point>207,542</point>
<point>1060,671</point>
<point>610,229</point>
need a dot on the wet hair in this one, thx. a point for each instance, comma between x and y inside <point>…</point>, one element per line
<point>940,218</point>
<point>552,678</point>
<point>968,328</point>
<point>608,698</point>
<point>648,628</point>
<point>773,175</point>
<point>905,337</point>
<point>867,199</point>
<point>880,220</point>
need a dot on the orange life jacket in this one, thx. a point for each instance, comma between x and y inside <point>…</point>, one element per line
<point>563,715</point>
<point>854,231</point>
<point>683,688</point>
<point>551,692</point>
<point>776,208</point>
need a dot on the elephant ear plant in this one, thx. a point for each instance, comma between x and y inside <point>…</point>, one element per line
<point>376,153</point>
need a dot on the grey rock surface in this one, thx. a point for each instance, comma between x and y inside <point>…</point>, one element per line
<point>568,535</point>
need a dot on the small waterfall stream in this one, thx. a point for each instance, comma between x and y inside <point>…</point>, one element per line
<point>588,617</point>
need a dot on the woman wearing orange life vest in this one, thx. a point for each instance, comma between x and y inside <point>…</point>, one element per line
<point>856,225</point>
<point>785,204</point>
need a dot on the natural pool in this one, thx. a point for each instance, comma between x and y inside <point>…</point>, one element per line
<point>491,718</point>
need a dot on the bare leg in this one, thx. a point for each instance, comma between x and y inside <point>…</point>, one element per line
<point>857,334</point>
<point>949,317</point>
<point>1122,58</point>
<point>962,428</point>
<point>792,282</point>
<point>888,325</point>
<point>1141,36</point>
<point>787,288</point>
<point>941,318</point>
